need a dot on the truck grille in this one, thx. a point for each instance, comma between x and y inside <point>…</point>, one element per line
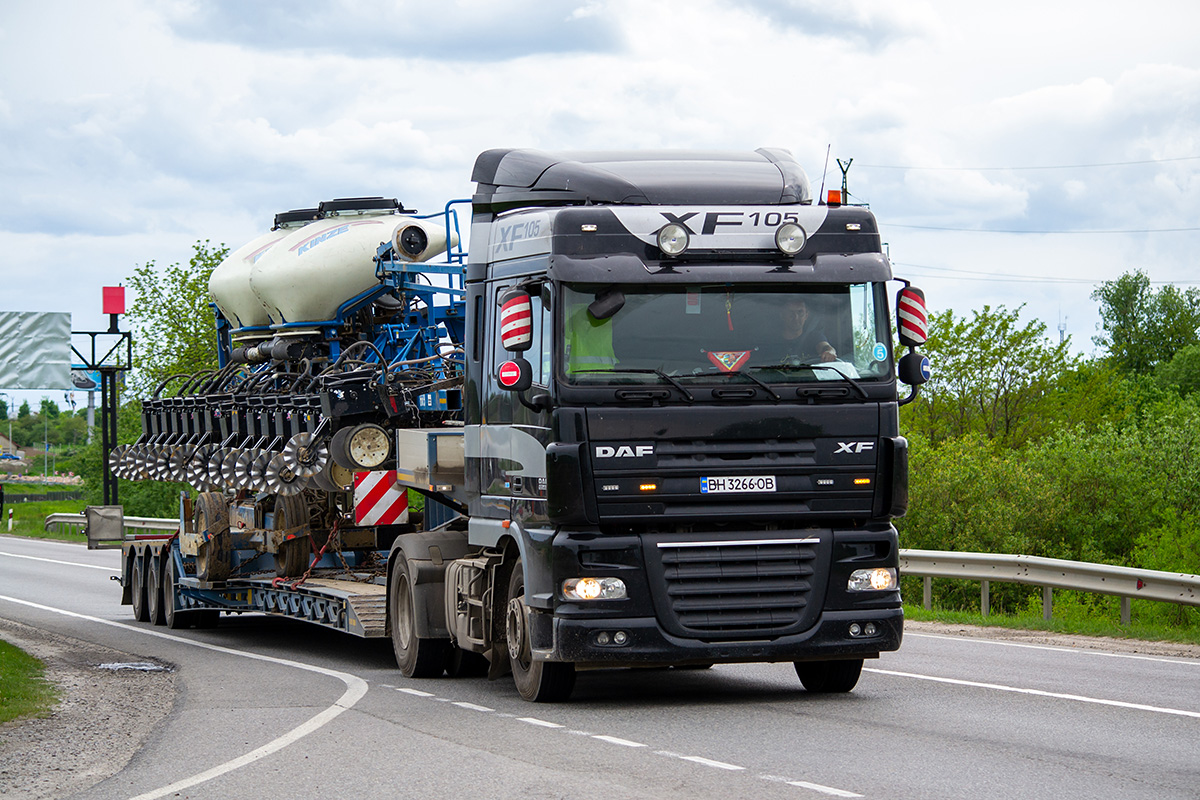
<point>739,588</point>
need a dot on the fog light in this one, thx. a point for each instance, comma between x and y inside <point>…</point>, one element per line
<point>855,629</point>
<point>673,239</point>
<point>878,580</point>
<point>594,589</point>
<point>602,637</point>
<point>790,238</point>
<point>870,629</point>
<point>620,637</point>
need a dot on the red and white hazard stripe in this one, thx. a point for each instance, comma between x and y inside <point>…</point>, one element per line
<point>379,499</point>
<point>914,320</point>
<point>516,322</point>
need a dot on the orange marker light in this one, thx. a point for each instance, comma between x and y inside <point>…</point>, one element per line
<point>835,197</point>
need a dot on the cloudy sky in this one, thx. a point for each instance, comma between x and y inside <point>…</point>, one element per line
<point>1014,153</point>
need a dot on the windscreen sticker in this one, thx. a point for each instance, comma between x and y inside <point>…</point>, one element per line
<point>880,351</point>
<point>693,303</point>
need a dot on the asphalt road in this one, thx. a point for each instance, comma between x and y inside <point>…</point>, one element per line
<point>272,708</point>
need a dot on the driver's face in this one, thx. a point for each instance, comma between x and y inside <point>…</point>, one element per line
<point>795,314</point>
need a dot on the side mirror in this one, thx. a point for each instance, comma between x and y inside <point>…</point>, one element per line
<point>515,375</point>
<point>516,321</point>
<point>912,320</point>
<point>914,369</point>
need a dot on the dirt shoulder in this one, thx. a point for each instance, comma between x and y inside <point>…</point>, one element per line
<point>1044,638</point>
<point>104,715</point>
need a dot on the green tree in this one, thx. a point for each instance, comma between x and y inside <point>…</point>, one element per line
<point>48,408</point>
<point>173,327</point>
<point>23,411</point>
<point>992,375</point>
<point>1144,327</point>
<point>1182,372</point>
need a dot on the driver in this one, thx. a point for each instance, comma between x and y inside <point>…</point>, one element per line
<point>799,341</point>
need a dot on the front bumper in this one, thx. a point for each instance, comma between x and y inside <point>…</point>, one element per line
<point>575,640</point>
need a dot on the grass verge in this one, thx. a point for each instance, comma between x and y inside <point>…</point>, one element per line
<point>1090,625</point>
<point>29,519</point>
<point>24,690</point>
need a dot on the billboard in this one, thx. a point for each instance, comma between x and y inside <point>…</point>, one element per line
<point>35,350</point>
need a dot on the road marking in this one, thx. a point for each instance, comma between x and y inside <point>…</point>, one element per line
<point>472,706</point>
<point>1039,693</point>
<point>356,689</point>
<point>543,723</point>
<point>617,740</point>
<point>816,787</point>
<point>701,760</point>
<point>708,762</point>
<point>56,561</point>
<point>1052,648</point>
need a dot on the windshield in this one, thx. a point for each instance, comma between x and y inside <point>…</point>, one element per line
<point>772,334</point>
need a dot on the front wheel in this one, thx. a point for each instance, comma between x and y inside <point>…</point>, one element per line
<point>537,681</point>
<point>826,677</point>
<point>416,657</point>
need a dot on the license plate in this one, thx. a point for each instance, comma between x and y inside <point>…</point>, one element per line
<point>752,483</point>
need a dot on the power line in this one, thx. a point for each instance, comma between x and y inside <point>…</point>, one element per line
<point>1049,166</point>
<point>966,275</point>
<point>1015,230</point>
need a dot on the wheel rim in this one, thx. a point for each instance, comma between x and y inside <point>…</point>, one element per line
<point>514,629</point>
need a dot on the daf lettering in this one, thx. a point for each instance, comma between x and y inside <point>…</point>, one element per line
<point>854,447</point>
<point>624,451</point>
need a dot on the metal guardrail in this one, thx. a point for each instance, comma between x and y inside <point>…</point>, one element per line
<point>75,523</point>
<point>1050,573</point>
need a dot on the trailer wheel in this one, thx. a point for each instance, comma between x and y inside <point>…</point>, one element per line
<point>537,681</point>
<point>137,580</point>
<point>213,557</point>
<point>416,657</point>
<point>173,618</point>
<point>827,677</point>
<point>154,588</point>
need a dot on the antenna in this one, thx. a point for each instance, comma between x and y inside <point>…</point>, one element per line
<point>821,194</point>
<point>845,171</point>
<point>1062,327</point>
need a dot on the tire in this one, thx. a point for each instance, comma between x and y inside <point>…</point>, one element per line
<point>172,617</point>
<point>154,588</point>
<point>827,677</point>
<point>137,582</point>
<point>416,657</point>
<point>214,557</point>
<point>536,681</point>
<point>292,557</point>
<point>465,664</point>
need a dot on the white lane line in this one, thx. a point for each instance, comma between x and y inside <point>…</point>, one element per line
<point>540,722</point>
<point>617,740</point>
<point>1039,693</point>
<point>708,762</point>
<point>56,561</point>
<point>816,787</point>
<point>356,689</point>
<point>472,706</point>
<point>415,692</point>
<point>1054,649</point>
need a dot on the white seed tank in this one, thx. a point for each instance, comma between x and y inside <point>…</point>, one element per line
<point>305,274</point>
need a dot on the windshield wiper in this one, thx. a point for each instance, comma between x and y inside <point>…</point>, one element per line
<point>844,376</point>
<point>682,389</point>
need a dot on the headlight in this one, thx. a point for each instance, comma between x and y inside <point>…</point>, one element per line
<point>594,589</point>
<point>673,239</point>
<point>873,580</point>
<point>790,238</point>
